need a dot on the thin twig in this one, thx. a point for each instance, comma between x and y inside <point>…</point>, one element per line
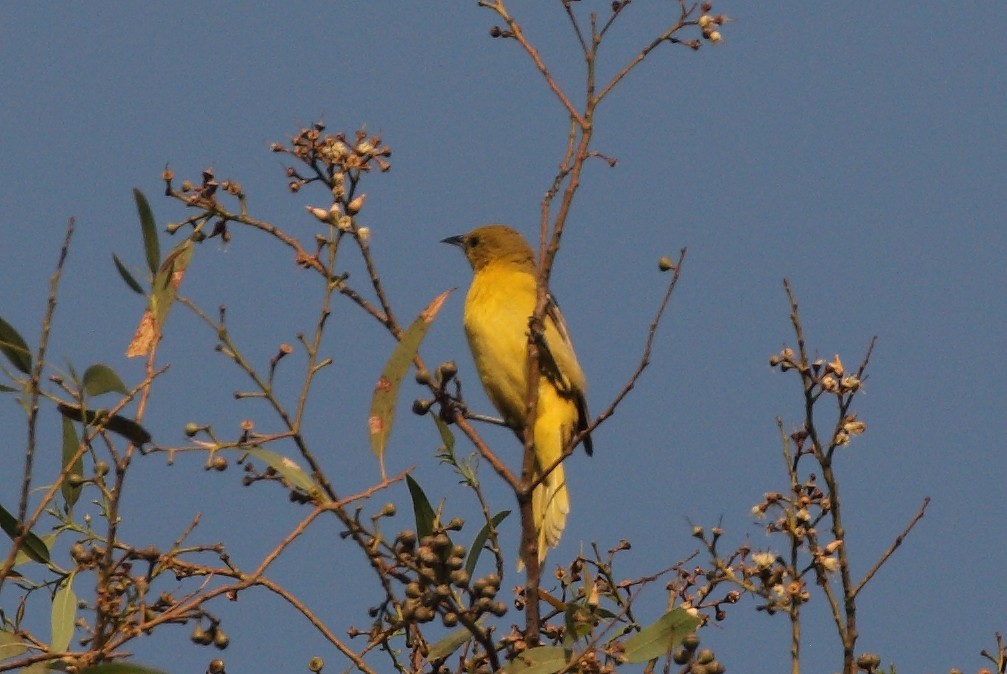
<point>894,546</point>
<point>36,375</point>
<point>645,356</point>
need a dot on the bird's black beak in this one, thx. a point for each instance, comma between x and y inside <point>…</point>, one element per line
<point>455,240</point>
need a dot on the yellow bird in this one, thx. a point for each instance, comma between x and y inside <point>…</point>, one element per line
<point>500,302</point>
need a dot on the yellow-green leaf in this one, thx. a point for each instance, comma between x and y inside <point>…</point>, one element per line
<point>64,615</point>
<point>151,247</point>
<point>449,644</point>
<point>425,516</point>
<point>10,645</point>
<point>386,392</point>
<point>70,444</point>
<point>13,346</point>
<point>100,379</point>
<point>24,556</point>
<point>34,546</point>
<point>539,660</point>
<point>165,288</point>
<point>447,437</point>
<point>37,668</point>
<point>661,636</point>
<point>287,468</point>
<point>133,284</point>
<point>480,540</point>
<point>120,668</point>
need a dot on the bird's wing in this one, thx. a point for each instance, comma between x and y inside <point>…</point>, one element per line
<point>559,365</point>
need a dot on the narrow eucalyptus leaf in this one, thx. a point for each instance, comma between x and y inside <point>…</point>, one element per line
<point>34,546</point>
<point>480,541</point>
<point>70,444</point>
<point>151,248</point>
<point>425,516</point>
<point>126,276</point>
<point>386,391</point>
<point>13,346</point>
<point>64,615</point>
<point>119,425</point>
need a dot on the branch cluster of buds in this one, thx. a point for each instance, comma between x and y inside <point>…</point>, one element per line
<point>125,594</point>
<point>338,162</point>
<point>710,24</point>
<point>212,634</point>
<point>699,660</point>
<point>764,574</point>
<point>437,584</point>
<point>204,198</point>
<point>328,154</point>
<point>797,517</point>
<point>830,376</point>
<point>823,377</point>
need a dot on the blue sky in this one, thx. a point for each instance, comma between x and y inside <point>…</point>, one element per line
<point>858,150</point>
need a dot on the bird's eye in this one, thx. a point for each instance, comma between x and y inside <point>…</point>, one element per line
<point>472,241</point>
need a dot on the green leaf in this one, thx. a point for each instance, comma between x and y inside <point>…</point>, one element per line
<point>34,546</point>
<point>578,620</point>
<point>7,389</point>
<point>23,556</point>
<point>658,638</point>
<point>168,278</point>
<point>165,288</point>
<point>119,425</point>
<point>151,248</point>
<point>421,507</point>
<point>386,391</point>
<point>10,645</point>
<point>480,540</point>
<point>539,660</point>
<point>37,668</point>
<point>447,437</point>
<point>449,644</point>
<point>64,615</point>
<point>14,347</point>
<point>287,468</point>
<point>126,276</point>
<point>70,445</point>
<point>120,668</point>
<point>100,379</point>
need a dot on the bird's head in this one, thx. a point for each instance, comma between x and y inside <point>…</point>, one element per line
<point>494,243</point>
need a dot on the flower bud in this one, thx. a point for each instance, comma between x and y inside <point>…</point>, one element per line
<point>868,661</point>
<point>850,383</point>
<point>320,213</point>
<point>836,366</point>
<point>354,206</point>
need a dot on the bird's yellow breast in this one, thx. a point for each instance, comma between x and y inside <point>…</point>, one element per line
<point>500,301</point>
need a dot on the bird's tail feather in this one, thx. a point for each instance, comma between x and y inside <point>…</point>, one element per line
<point>550,505</point>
